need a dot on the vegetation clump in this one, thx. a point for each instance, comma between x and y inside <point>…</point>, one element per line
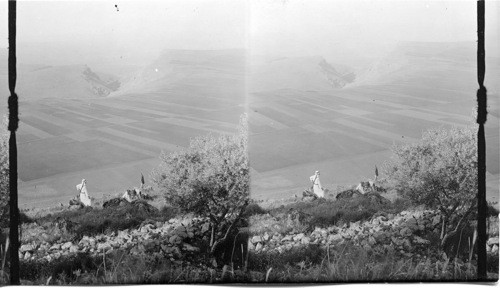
<point>209,178</point>
<point>440,172</point>
<point>353,237</point>
<point>91,221</point>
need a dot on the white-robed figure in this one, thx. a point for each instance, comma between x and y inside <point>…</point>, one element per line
<point>84,195</point>
<point>317,189</point>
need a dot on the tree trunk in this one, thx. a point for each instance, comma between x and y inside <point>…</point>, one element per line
<point>212,236</point>
<point>443,228</point>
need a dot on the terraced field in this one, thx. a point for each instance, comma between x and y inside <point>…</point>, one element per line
<point>345,133</point>
<point>108,141</point>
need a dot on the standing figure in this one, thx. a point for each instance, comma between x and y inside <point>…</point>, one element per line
<point>317,189</point>
<point>84,196</point>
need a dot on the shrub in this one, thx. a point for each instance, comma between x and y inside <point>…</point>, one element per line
<point>440,172</point>
<point>310,254</point>
<point>33,271</point>
<point>90,221</point>
<point>492,210</point>
<point>254,209</point>
<point>209,178</point>
<point>324,213</point>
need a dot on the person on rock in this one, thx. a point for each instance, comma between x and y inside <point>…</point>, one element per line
<point>84,195</point>
<point>317,189</point>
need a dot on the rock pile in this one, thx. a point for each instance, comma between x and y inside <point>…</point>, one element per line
<point>492,245</point>
<point>404,234</point>
<point>170,239</point>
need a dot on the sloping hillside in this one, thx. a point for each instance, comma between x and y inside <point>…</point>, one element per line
<point>109,140</point>
<point>40,81</point>
<point>74,81</point>
<point>300,73</point>
<point>345,132</point>
<point>220,73</point>
<point>432,60</point>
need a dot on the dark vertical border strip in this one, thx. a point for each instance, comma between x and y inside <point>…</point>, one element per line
<point>481,146</point>
<point>13,124</point>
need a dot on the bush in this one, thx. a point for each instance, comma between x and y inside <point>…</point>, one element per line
<point>310,254</point>
<point>324,213</point>
<point>253,209</point>
<point>89,221</point>
<point>209,178</point>
<point>440,172</point>
<point>33,271</point>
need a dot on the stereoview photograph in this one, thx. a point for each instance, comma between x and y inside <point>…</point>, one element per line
<point>248,141</point>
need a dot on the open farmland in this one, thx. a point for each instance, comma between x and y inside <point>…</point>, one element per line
<point>345,132</point>
<point>107,141</point>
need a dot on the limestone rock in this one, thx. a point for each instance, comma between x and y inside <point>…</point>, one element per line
<point>371,241</point>
<point>190,248</point>
<point>256,239</point>
<point>258,247</point>
<point>405,232</point>
<point>493,241</point>
<point>103,246</point>
<point>420,240</point>
<point>146,228</point>
<point>175,239</point>
<point>66,245</point>
<point>205,227</point>
<point>56,246</point>
<point>298,237</point>
<point>27,248</point>
<point>412,224</point>
<point>181,232</point>
<point>494,249</point>
<point>436,220</point>
<point>73,249</point>
<point>266,236</point>
<point>334,238</point>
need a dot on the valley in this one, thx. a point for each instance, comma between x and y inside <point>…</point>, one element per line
<point>304,116</point>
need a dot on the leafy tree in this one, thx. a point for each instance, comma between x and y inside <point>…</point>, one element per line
<point>209,178</point>
<point>4,173</point>
<point>440,172</point>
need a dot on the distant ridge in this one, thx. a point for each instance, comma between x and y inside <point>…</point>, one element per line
<point>42,81</point>
<point>410,58</point>
<point>178,67</point>
<point>300,73</point>
<point>72,81</point>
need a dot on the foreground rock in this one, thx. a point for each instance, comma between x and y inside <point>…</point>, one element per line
<point>171,239</point>
<point>404,233</point>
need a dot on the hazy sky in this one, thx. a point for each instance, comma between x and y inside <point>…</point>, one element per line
<point>307,26</point>
<point>289,27</point>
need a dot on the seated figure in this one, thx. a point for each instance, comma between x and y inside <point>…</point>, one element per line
<point>84,195</point>
<point>317,189</point>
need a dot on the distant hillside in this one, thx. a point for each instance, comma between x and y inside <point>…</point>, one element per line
<point>195,68</point>
<point>73,81</point>
<point>38,81</point>
<point>345,132</point>
<point>419,59</point>
<point>300,73</point>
